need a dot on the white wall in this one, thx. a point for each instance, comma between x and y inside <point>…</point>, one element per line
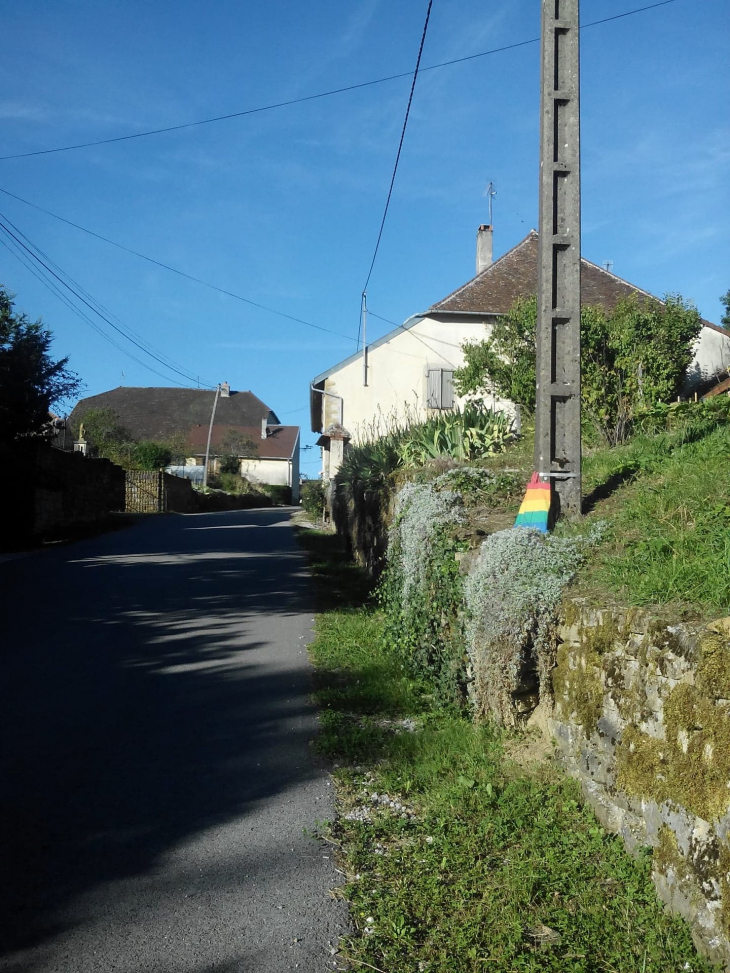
<point>396,388</point>
<point>276,472</point>
<point>712,357</point>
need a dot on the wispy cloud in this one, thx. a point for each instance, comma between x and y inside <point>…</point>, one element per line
<point>23,111</point>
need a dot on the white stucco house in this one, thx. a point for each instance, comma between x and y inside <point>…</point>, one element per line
<point>407,374</point>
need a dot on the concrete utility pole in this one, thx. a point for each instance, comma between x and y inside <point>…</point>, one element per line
<point>557,432</point>
<point>210,434</point>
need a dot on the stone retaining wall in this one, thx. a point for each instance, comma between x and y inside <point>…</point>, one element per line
<point>642,719</point>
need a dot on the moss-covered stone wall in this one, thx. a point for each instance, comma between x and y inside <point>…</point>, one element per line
<point>642,719</point>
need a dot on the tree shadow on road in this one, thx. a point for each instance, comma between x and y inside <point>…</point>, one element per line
<point>140,706</point>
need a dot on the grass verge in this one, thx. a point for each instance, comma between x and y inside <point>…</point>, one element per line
<point>668,544</point>
<point>456,857</point>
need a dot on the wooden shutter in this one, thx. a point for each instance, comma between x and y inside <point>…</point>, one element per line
<point>447,389</point>
<point>433,388</point>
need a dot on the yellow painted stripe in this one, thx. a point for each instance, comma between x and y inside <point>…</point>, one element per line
<point>534,503</point>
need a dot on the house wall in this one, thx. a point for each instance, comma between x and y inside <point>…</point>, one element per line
<point>396,388</point>
<point>276,472</point>
<point>712,357</point>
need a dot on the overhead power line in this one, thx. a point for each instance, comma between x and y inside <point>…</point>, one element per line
<point>44,279</point>
<point>175,270</point>
<point>314,97</point>
<point>28,251</point>
<point>400,146</point>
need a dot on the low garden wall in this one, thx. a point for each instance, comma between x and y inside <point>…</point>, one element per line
<point>48,491</point>
<point>642,719</point>
<point>361,518</point>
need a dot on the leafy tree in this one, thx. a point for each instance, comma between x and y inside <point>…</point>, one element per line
<point>725,300</point>
<point>505,362</point>
<point>103,429</point>
<point>637,356</point>
<point>149,455</point>
<point>30,380</point>
<point>234,447</point>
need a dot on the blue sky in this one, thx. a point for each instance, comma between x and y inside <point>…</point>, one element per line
<point>283,207</point>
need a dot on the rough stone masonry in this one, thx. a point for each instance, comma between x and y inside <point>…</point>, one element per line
<point>642,719</point>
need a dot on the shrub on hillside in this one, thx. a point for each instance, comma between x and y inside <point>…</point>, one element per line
<point>461,435</point>
<point>635,357</point>
<point>420,591</point>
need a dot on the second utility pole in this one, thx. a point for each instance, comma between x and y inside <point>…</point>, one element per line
<point>557,422</point>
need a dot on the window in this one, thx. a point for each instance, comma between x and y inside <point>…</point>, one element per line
<point>439,388</point>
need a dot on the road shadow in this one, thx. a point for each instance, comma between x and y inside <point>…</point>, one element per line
<point>135,712</point>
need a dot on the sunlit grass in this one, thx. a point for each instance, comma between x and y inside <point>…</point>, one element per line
<point>477,850</point>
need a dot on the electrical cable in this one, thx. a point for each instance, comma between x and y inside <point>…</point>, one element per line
<point>174,270</point>
<point>450,344</point>
<point>89,304</point>
<point>27,263</point>
<point>149,346</point>
<point>400,147</point>
<point>314,97</point>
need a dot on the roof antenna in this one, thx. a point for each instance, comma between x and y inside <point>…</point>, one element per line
<point>490,192</point>
<point>608,265</point>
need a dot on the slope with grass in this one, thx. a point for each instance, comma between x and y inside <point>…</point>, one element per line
<point>456,856</point>
<point>669,538</point>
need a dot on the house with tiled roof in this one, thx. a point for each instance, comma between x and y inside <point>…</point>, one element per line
<point>408,372</point>
<point>268,451</point>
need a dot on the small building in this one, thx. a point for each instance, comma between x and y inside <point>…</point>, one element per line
<point>244,426</point>
<point>407,375</point>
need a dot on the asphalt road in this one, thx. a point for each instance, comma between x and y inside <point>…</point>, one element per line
<point>156,772</point>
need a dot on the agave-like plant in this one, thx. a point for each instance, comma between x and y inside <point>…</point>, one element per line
<point>463,435</point>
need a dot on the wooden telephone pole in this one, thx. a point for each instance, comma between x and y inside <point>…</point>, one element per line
<point>557,432</point>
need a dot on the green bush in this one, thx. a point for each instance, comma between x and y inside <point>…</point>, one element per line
<point>232,483</point>
<point>633,358</point>
<point>461,435</point>
<point>149,455</point>
<point>279,495</point>
<point>369,465</point>
<point>313,498</point>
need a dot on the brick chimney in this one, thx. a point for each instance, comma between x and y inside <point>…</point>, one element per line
<point>225,390</point>
<point>264,428</point>
<point>484,246</point>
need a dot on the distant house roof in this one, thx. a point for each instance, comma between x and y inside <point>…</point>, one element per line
<point>163,413</point>
<point>280,443</point>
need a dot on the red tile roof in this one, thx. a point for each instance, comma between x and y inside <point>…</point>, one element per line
<point>280,441</point>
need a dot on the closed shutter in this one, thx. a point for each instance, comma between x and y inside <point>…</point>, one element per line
<point>447,390</point>
<point>433,388</point>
